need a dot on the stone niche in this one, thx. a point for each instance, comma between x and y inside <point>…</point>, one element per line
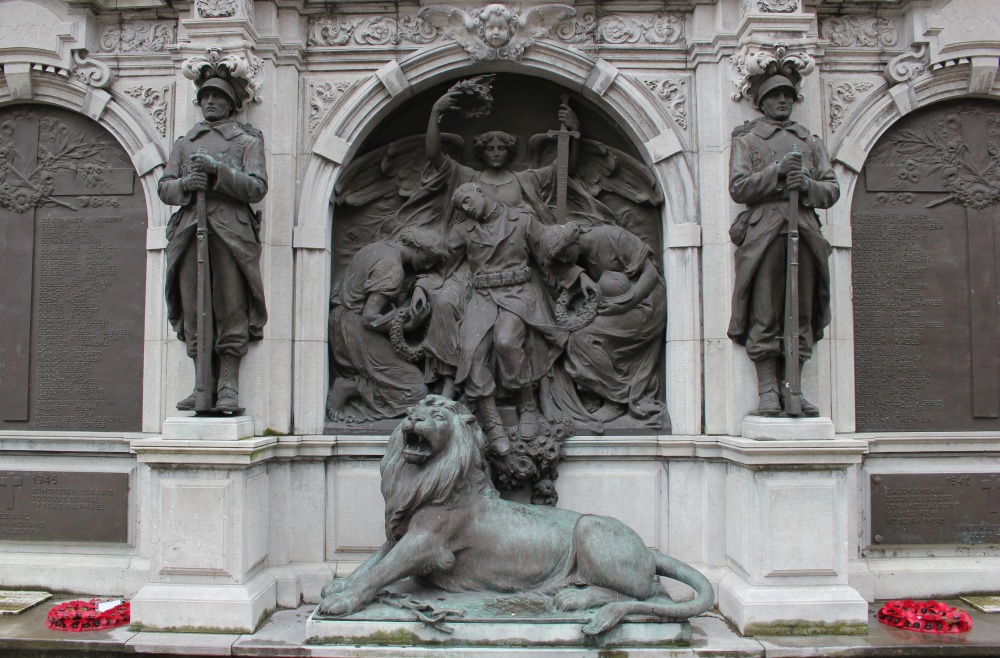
<point>392,168</point>
<point>924,219</point>
<point>73,263</point>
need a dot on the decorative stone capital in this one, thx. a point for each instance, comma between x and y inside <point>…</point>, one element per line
<point>750,66</point>
<point>244,69</point>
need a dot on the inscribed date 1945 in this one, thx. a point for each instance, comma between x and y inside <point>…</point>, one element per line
<point>939,508</point>
<point>64,506</point>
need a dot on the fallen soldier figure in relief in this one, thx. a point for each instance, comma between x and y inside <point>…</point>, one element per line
<point>447,527</point>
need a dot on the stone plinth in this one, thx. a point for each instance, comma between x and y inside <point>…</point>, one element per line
<point>208,528</point>
<point>787,428</point>
<point>197,428</point>
<point>787,537</point>
<point>487,619</point>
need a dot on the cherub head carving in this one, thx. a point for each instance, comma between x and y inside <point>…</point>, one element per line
<point>496,25</point>
<point>496,31</point>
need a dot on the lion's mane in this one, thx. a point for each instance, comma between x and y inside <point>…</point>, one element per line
<point>458,471</point>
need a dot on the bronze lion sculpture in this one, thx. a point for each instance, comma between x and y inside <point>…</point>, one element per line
<point>447,527</point>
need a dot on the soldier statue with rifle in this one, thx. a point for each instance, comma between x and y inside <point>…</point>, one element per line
<point>781,300</point>
<point>214,290</point>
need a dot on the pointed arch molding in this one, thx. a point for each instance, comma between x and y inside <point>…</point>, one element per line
<point>143,144</point>
<point>878,113</point>
<point>627,101</point>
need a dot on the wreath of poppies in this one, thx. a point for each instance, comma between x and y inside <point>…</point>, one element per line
<point>925,617</point>
<point>77,616</point>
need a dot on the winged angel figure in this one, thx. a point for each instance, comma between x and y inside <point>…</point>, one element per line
<point>406,189</point>
<point>496,31</point>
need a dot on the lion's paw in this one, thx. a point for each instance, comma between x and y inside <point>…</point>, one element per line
<point>335,586</point>
<point>606,618</point>
<point>335,604</point>
<point>574,598</point>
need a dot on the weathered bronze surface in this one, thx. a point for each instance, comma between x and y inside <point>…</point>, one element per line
<point>214,288</point>
<point>781,295</point>
<point>924,273</point>
<point>447,527</point>
<point>64,506</point>
<point>518,269</point>
<point>73,264</point>
<point>939,508</point>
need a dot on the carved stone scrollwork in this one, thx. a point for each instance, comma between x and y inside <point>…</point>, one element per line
<point>509,32</point>
<point>907,66</point>
<point>859,31</point>
<point>138,37</point>
<point>90,71</point>
<point>777,6</point>
<point>370,31</point>
<point>841,95</point>
<point>154,99</point>
<point>749,66</point>
<point>321,97</point>
<point>246,68</point>
<point>217,8</point>
<point>673,93</point>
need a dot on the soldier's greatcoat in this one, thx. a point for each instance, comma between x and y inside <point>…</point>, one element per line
<point>757,148</point>
<point>240,181</point>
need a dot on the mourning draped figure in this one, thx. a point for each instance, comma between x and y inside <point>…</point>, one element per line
<point>772,157</point>
<point>616,356</point>
<point>223,160</point>
<point>489,332</point>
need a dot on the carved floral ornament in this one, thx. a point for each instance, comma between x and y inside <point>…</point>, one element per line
<point>496,31</point>
<point>968,171</point>
<point>750,67</point>
<point>132,37</point>
<point>244,71</point>
<point>859,31</point>
<point>842,95</point>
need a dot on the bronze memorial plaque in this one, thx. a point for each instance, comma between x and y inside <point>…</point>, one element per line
<point>64,506</point>
<point>939,508</point>
<point>925,273</point>
<point>73,264</point>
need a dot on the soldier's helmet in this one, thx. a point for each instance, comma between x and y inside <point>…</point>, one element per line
<point>771,84</point>
<point>220,85</point>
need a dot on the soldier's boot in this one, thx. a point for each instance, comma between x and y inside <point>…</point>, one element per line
<point>767,387</point>
<point>527,413</point>
<point>808,408</point>
<point>187,404</point>
<point>228,397</point>
<point>496,436</point>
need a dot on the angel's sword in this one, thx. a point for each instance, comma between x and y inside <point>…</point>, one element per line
<point>562,163</point>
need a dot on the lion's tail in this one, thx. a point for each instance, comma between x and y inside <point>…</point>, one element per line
<point>612,613</point>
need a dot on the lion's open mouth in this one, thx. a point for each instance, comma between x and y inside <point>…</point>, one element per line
<point>416,449</point>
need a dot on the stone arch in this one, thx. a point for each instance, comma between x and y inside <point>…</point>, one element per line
<point>872,119</point>
<point>625,99</point>
<point>143,145</point>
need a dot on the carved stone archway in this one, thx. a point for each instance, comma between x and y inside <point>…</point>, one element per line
<point>878,113</point>
<point>623,98</point>
<point>143,145</point>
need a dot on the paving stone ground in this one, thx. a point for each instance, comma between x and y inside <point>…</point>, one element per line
<point>284,634</point>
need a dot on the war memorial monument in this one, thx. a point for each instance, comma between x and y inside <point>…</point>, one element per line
<point>429,316</point>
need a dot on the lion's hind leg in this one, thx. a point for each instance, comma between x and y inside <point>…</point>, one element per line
<point>611,555</point>
<point>583,598</point>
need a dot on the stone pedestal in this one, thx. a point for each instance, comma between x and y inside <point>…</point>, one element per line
<point>787,533</point>
<point>787,429</point>
<point>208,526</point>
<point>486,619</point>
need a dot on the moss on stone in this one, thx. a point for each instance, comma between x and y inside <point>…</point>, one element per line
<point>797,627</point>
